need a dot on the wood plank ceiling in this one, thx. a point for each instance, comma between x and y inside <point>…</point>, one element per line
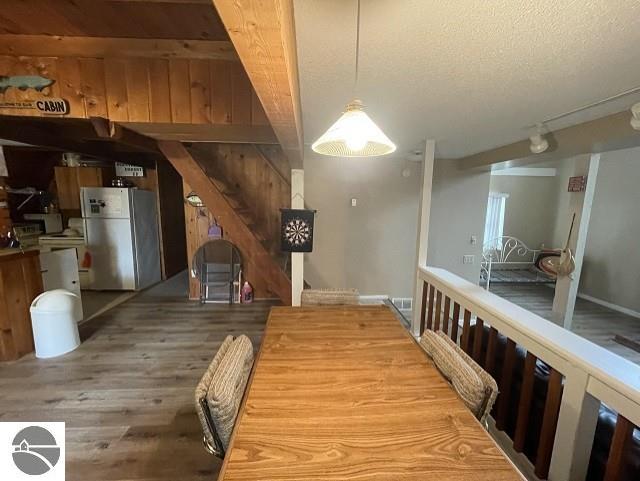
<point>165,19</point>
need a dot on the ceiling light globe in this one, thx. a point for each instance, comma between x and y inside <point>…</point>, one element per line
<point>354,134</point>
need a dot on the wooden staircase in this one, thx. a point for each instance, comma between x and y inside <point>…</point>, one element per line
<point>235,216</point>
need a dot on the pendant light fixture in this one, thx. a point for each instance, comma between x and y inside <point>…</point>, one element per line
<point>354,134</point>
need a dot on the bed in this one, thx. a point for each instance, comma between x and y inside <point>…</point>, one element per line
<point>507,259</point>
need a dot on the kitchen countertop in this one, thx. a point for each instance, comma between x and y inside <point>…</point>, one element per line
<point>11,253</point>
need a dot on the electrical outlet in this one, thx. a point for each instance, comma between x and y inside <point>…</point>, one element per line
<point>354,202</point>
<point>468,259</point>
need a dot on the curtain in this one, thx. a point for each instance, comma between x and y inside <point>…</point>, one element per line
<point>494,222</point>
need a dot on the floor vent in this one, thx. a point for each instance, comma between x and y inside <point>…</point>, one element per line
<point>403,303</point>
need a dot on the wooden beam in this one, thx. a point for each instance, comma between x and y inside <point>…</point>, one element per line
<point>613,132</point>
<point>116,132</point>
<point>251,248</point>
<point>223,133</point>
<point>101,47</point>
<point>263,34</point>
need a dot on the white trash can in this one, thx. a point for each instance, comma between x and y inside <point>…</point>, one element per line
<point>54,317</point>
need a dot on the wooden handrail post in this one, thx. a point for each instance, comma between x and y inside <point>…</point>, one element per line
<point>576,429</point>
<point>423,229</point>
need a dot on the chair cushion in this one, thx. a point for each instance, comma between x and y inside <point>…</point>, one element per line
<point>228,385</point>
<point>203,388</point>
<point>334,297</point>
<point>490,385</point>
<point>455,369</point>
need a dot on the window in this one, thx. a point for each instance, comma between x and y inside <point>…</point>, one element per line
<point>494,223</point>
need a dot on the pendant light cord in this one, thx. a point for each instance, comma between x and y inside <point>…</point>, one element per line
<point>355,81</point>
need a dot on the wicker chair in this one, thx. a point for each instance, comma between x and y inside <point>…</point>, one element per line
<point>477,389</point>
<point>330,297</point>
<point>220,391</point>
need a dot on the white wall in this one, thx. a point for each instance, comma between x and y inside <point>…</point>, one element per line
<point>530,209</point>
<point>611,269</point>
<point>458,210</point>
<point>371,246</point>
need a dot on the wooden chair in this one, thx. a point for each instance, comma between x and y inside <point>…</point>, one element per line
<point>330,297</point>
<point>477,389</point>
<point>220,391</point>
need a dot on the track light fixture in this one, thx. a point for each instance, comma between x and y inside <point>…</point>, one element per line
<point>538,143</point>
<point>635,116</point>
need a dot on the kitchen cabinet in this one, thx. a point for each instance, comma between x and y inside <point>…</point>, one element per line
<point>70,179</point>
<point>20,283</point>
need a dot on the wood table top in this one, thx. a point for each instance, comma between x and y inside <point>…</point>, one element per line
<point>345,393</point>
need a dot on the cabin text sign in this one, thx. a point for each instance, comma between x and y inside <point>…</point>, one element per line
<point>46,106</point>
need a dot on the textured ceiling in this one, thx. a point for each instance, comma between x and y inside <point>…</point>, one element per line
<point>472,74</point>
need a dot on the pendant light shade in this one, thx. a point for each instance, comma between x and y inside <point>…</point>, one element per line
<point>354,134</point>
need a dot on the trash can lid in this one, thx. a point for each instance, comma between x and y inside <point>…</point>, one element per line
<point>56,300</point>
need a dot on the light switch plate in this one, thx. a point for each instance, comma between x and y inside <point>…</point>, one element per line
<point>354,202</point>
<point>468,259</point>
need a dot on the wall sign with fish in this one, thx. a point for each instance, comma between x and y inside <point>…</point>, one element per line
<point>24,82</point>
<point>45,105</point>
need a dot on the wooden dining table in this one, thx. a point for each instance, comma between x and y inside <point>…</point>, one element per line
<point>345,393</point>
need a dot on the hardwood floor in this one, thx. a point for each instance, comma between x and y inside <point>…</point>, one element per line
<point>126,393</point>
<point>590,320</point>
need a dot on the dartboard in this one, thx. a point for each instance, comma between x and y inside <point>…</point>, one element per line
<point>297,232</point>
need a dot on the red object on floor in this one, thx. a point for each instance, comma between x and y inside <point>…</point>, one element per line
<point>247,293</point>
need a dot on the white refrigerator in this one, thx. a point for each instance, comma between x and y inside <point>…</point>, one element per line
<point>121,230</point>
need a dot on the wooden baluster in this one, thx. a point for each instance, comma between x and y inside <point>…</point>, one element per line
<point>490,359</point>
<point>505,385</point>
<point>621,438</point>
<point>454,322</point>
<point>549,424</point>
<point>524,406</point>
<point>447,313</point>
<point>436,322</point>
<point>423,309</point>
<point>466,328</point>
<point>430,311</point>
<point>477,340</point>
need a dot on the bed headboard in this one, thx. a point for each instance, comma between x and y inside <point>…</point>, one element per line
<point>508,250</point>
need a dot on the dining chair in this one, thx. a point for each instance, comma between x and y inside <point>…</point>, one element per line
<point>227,387</point>
<point>477,389</point>
<point>210,438</point>
<point>220,391</point>
<point>330,297</point>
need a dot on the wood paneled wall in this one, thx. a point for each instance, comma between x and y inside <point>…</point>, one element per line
<point>174,90</point>
<point>263,190</point>
<point>197,222</point>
